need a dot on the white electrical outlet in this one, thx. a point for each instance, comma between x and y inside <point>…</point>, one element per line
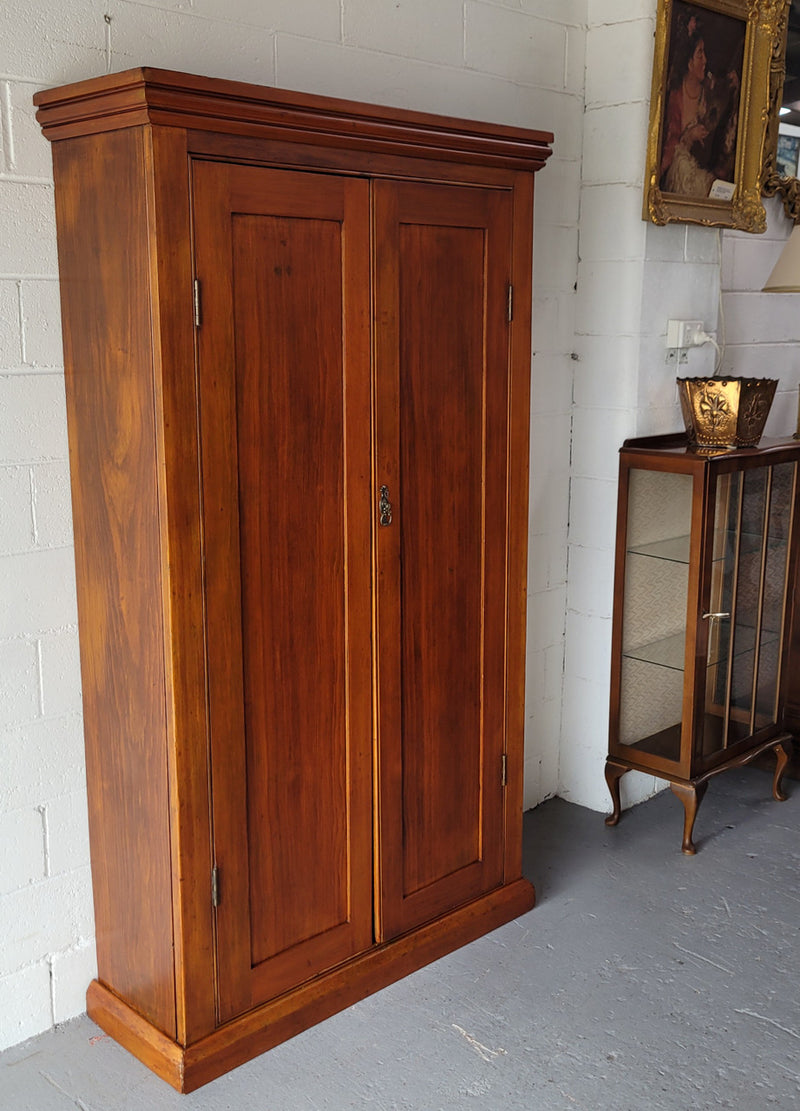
<point>684,333</point>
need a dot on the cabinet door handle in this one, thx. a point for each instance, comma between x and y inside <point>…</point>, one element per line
<point>385,507</point>
<point>713,615</point>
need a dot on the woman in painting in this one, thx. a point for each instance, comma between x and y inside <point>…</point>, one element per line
<point>700,120</point>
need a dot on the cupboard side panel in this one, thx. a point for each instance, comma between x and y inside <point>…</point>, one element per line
<point>519,409</point>
<point>108,352</point>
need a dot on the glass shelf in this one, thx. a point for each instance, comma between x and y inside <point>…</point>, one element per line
<point>676,548</point>
<point>667,652</point>
<point>670,651</point>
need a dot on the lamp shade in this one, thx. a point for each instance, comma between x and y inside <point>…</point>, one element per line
<point>785,277</point>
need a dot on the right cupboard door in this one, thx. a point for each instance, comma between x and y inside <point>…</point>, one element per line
<point>442,271</point>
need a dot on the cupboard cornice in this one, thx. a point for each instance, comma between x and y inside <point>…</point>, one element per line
<point>156,96</point>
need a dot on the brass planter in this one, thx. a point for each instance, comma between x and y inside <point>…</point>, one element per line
<point>725,412</point>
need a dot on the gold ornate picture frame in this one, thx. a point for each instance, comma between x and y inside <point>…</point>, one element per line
<point>709,110</point>
<point>784,63</point>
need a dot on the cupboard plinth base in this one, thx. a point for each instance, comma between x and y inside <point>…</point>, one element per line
<point>187,1068</point>
<point>691,791</point>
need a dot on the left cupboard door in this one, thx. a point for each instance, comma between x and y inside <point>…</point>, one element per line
<point>282,261</point>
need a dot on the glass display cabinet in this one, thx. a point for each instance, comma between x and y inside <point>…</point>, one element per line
<point>705,565</point>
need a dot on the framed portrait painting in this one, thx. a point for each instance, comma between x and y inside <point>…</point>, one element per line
<point>708,111</point>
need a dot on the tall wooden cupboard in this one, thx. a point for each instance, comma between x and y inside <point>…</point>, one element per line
<point>297,348</point>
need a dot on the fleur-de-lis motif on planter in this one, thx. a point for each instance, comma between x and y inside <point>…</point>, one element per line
<point>754,413</point>
<point>725,412</point>
<point>714,408</point>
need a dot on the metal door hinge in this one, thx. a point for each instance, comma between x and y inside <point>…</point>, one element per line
<point>504,773</point>
<point>215,886</point>
<point>197,302</point>
<point>510,304</point>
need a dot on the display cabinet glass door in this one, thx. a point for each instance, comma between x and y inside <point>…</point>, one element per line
<point>743,592</point>
<point>657,558</point>
<point>749,565</point>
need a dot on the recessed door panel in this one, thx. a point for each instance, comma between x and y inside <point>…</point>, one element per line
<point>290,437</point>
<point>285,399</point>
<point>441,425</point>
<point>441,548</point>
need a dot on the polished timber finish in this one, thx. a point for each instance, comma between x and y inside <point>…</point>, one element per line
<point>233,1043</point>
<point>298,414</point>
<point>162,97</point>
<point>704,615</point>
<point>692,793</point>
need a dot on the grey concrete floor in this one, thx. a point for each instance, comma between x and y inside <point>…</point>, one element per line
<point>643,979</point>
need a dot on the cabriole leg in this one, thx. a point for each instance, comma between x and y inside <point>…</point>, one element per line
<point>614,773</point>
<point>783,754</point>
<point>691,797</point>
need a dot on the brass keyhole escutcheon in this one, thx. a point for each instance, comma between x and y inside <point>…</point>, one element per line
<point>385,507</point>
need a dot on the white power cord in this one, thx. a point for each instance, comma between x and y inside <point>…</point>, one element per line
<point>704,337</point>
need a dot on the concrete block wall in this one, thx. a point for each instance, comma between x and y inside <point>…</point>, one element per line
<point>761,331</point>
<point>632,277</point>
<point>555,273</point>
<point>511,61</point>
<point>47,954</point>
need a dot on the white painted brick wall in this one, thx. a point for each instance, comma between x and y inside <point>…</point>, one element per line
<point>19,667</point>
<point>10,331</point>
<point>26,229</point>
<point>71,970</point>
<point>615,137</point>
<point>25,1003</point>
<point>41,760</point>
<point>56,910</point>
<point>41,332</point>
<point>37,591</point>
<point>59,664</point>
<point>52,506</point>
<point>16,511</point>
<point>29,158</point>
<point>632,276</point>
<point>761,333</point>
<point>47,39</point>
<point>511,61</point>
<point>32,418</point>
<point>183,41</point>
<point>23,841</point>
<point>425,32</point>
<point>515,44</point>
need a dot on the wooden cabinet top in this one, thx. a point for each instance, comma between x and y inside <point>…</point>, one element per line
<point>157,96</point>
<point>676,445</point>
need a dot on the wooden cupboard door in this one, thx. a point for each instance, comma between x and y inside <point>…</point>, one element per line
<point>282,259</point>
<point>443,257</point>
